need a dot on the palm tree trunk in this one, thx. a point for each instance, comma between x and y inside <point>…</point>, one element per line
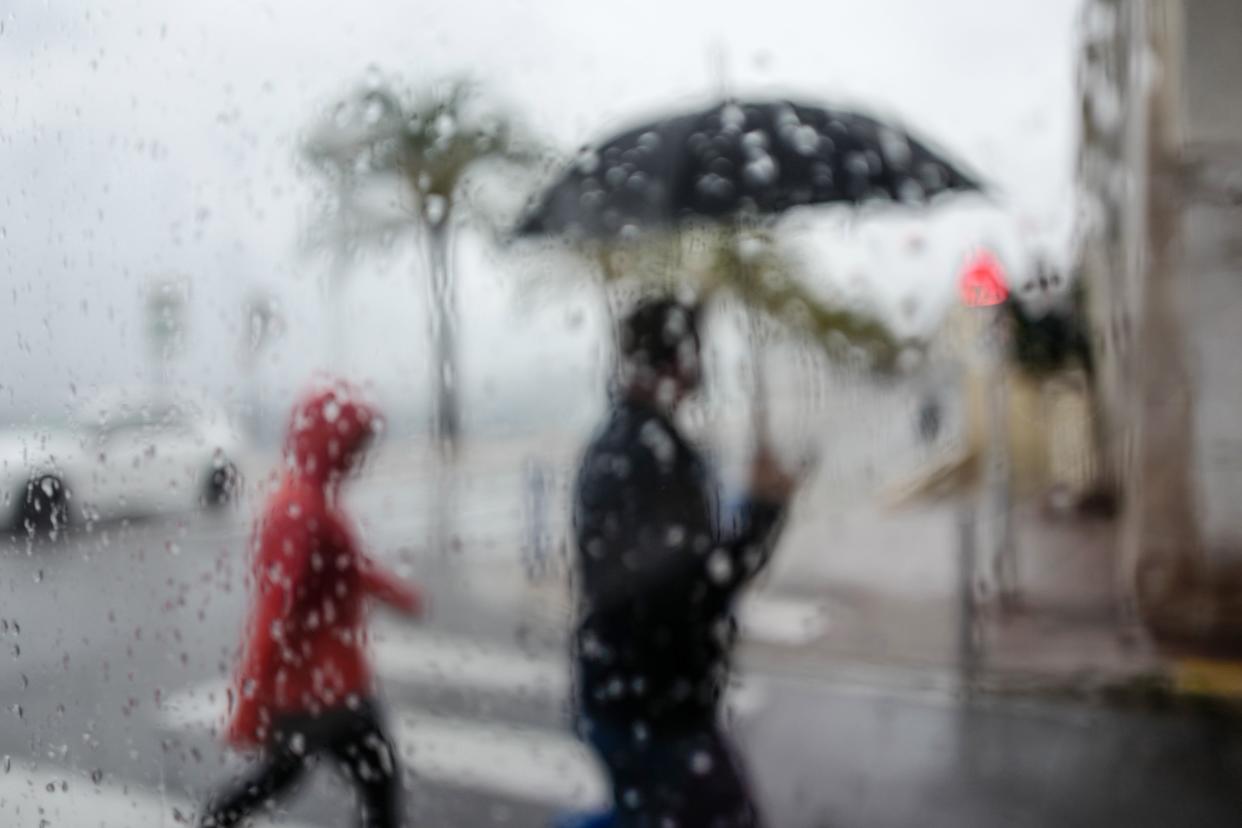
<point>445,422</point>
<point>446,413</point>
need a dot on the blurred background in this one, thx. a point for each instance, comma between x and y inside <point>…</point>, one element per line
<point>1009,590</point>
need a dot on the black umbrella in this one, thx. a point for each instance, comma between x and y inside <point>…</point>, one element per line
<point>738,158</point>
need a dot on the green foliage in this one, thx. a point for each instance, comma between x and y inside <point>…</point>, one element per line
<point>1043,345</point>
<point>431,139</point>
<point>719,261</point>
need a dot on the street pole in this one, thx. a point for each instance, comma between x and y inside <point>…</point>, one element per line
<point>985,292</point>
<point>998,478</point>
<point>969,652</point>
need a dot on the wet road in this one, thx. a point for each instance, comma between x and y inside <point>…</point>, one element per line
<point>116,643</point>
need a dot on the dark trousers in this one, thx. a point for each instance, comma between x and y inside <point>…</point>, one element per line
<point>684,774</point>
<point>353,737</point>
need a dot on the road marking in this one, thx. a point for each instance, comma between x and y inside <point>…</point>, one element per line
<point>42,795</point>
<point>200,707</point>
<point>439,660</point>
<point>523,763</point>
<point>403,656</point>
<point>745,697</point>
<point>536,764</point>
<point>443,661</point>
<point>770,619</point>
<point>1208,677</point>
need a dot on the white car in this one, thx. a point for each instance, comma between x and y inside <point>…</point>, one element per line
<point>128,452</point>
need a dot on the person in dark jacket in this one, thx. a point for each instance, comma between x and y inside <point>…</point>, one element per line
<point>304,686</point>
<point>660,573</point>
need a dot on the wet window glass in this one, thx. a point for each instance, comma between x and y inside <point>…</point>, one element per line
<point>558,414</point>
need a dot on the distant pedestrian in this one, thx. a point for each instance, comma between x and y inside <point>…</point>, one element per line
<point>660,578</point>
<point>538,485</point>
<point>304,688</point>
<point>929,418</point>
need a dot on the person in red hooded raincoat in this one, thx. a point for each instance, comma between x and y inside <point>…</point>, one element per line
<point>304,688</point>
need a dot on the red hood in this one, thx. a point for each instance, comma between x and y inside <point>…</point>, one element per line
<point>329,433</point>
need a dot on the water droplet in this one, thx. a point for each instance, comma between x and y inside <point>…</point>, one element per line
<point>297,744</point>
<point>755,142</point>
<point>701,763</point>
<point>896,148</point>
<point>761,170</point>
<point>804,139</point>
<point>587,161</point>
<point>436,208</point>
<point>719,566</point>
<point>715,186</point>
<point>732,117</point>
<point>857,164</point>
<point>749,248</point>
<point>373,112</point>
<point>445,127</point>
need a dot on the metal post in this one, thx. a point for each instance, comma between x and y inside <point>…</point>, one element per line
<point>998,475</point>
<point>968,639</point>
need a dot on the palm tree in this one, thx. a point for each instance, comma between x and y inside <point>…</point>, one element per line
<point>400,160</point>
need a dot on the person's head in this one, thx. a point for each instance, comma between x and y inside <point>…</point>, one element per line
<point>659,350</point>
<point>330,431</point>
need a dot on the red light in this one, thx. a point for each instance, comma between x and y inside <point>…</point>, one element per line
<point>983,281</point>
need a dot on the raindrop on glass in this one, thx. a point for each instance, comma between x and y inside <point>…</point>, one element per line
<point>701,763</point>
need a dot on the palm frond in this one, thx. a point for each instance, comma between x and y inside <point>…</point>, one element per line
<point>748,266</point>
<point>432,140</point>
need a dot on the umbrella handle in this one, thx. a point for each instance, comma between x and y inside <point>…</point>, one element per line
<point>760,419</point>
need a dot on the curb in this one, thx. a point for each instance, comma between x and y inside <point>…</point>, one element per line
<point>1188,686</point>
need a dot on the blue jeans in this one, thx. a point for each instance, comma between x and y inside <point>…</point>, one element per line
<point>599,819</point>
<point>685,772</point>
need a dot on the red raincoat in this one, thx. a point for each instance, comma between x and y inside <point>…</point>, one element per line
<point>306,638</point>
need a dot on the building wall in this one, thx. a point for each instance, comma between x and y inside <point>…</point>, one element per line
<point>1213,70</point>
<point>1161,177</point>
<point>1212,263</point>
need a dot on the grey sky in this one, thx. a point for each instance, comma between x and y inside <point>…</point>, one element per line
<point>145,137</point>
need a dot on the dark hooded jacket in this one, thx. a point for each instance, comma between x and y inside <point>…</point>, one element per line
<point>660,573</point>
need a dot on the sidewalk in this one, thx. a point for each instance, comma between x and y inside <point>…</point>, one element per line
<point>885,585</point>
<point>890,580</point>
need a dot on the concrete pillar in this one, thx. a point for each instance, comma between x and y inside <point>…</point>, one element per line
<point>1163,250</point>
<point>1162,531</point>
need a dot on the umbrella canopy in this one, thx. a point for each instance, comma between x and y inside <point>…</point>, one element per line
<point>738,158</point>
